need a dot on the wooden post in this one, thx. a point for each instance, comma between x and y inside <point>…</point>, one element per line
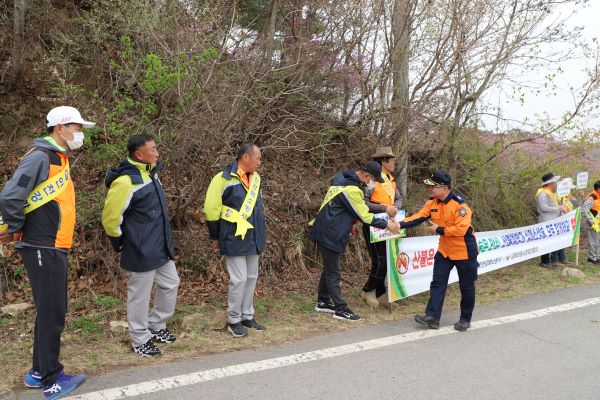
<point>580,201</point>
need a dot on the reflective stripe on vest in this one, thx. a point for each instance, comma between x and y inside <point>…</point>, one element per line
<point>389,187</point>
<point>332,192</point>
<point>384,193</point>
<point>567,203</point>
<point>45,192</point>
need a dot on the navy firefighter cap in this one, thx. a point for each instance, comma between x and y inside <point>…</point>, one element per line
<point>438,177</point>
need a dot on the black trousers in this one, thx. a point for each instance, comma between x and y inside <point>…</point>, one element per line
<point>467,275</point>
<point>558,255</point>
<point>546,258</point>
<point>378,273</point>
<point>329,284</point>
<point>47,271</point>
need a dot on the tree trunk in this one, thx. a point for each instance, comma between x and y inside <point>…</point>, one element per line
<point>18,47</point>
<point>270,31</point>
<point>399,112</point>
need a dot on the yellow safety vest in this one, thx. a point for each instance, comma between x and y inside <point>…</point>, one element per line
<point>595,207</point>
<point>567,202</point>
<point>548,192</point>
<point>240,217</point>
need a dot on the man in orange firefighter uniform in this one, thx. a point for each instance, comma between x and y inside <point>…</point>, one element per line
<point>450,217</point>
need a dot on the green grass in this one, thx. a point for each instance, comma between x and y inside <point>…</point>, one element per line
<point>217,303</point>
<point>260,308</point>
<point>87,325</point>
<point>574,280</point>
<point>108,302</point>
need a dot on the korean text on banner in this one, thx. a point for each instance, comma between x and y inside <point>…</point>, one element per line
<point>410,260</point>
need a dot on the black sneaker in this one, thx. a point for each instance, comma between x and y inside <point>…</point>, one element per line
<point>346,315</point>
<point>428,320</point>
<point>251,323</point>
<point>325,307</point>
<point>147,349</point>
<point>237,330</point>
<point>163,336</point>
<point>548,265</point>
<point>462,325</point>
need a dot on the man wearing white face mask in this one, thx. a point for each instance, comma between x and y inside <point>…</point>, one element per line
<point>344,204</point>
<point>38,212</point>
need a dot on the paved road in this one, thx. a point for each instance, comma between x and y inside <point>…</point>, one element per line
<point>513,353</point>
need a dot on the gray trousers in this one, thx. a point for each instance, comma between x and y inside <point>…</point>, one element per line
<point>139,290</point>
<point>594,244</point>
<point>243,272</point>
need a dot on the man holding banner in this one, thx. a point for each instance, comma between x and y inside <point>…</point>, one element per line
<point>450,217</point>
<point>383,198</point>
<point>344,203</point>
<point>591,209</point>
<point>236,223</point>
<point>548,209</point>
<point>38,211</point>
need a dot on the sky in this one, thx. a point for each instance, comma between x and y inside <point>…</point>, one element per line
<point>557,105</point>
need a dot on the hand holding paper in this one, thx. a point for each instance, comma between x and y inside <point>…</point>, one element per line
<point>380,235</point>
<point>391,211</point>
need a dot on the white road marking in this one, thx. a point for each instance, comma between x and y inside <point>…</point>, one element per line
<point>175,382</point>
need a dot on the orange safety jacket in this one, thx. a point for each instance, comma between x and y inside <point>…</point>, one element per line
<point>596,199</point>
<point>384,193</point>
<point>457,237</point>
<point>52,224</point>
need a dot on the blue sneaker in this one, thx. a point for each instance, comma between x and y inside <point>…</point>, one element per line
<point>33,379</point>
<point>64,385</point>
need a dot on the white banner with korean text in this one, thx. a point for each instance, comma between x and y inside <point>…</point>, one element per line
<point>410,260</point>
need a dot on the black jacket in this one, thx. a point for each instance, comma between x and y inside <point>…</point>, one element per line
<point>333,223</point>
<point>136,218</point>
